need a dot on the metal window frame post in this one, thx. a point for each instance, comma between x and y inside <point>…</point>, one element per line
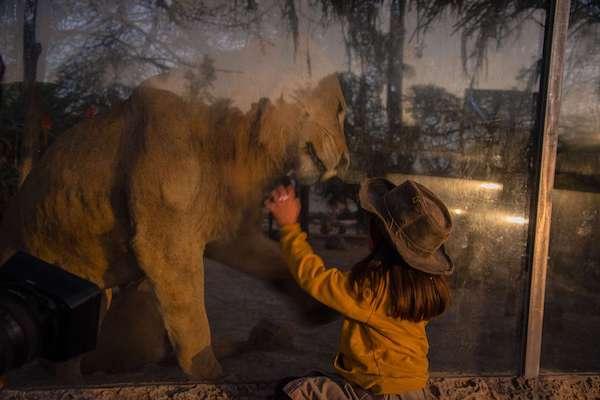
<point>555,38</point>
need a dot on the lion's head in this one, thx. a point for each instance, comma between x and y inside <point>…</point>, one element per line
<point>306,124</point>
<point>321,144</point>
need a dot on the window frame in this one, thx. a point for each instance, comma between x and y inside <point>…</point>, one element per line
<point>555,38</point>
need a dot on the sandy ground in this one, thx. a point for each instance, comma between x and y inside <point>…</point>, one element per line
<point>557,387</point>
<point>237,304</point>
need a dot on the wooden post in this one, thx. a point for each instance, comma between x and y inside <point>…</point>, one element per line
<point>550,92</point>
<point>2,69</point>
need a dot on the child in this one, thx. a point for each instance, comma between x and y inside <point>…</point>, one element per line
<point>386,299</point>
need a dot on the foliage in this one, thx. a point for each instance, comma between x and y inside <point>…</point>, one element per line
<point>56,120</point>
<point>101,49</point>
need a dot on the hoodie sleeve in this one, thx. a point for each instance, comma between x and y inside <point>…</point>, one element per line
<point>330,286</point>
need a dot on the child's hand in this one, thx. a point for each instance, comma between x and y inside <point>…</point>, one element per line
<point>284,205</point>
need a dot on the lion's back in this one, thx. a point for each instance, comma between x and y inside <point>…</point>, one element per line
<point>69,210</point>
<point>73,209</point>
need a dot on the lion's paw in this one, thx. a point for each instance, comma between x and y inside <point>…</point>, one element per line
<point>205,366</point>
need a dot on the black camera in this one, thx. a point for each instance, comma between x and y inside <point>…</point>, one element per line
<point>44,312</point>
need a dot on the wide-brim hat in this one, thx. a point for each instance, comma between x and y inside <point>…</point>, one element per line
<point>417,222</point>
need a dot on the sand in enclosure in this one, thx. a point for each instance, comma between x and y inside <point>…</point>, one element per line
<point>250,322</point>
<point>268,344</point>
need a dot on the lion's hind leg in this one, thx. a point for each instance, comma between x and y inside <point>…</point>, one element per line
<point>132,333</point>
<point>178,282</point>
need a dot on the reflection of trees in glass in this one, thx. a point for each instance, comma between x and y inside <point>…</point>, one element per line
<point>479,25</point>
<point>571,325</point>
<point>113,47</point>
<point>439,135</point>
<point>499,124</point>
<point>483,136</point>
<point>438,116</point>
<point>55,119</point>
<point>10,32</point>
<point>34,137</point>
<point>381,58</point>
<point>380,53</point>
<point>578,161</point>
<point>97,51</point>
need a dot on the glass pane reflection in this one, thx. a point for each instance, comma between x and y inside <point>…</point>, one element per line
<point>572,307</point>
<point>465,132</point>
<point>436,93</point>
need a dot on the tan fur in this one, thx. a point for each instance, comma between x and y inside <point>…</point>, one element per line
<point>140,192</point>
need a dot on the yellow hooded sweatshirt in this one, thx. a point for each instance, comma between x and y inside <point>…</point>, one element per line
<point>379,353</point>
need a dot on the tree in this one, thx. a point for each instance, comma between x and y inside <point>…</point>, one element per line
<point>481,24</point>
<point>395,65</point>
<point>2,70</point>
<point>33,140</point>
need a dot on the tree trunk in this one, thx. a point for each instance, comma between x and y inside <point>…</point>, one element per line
<point>44,33</point>
<point>395,53</point>
<point>32,132</point>
<point>361,133</point>
<point>2,69</point>
<point>18,38</point>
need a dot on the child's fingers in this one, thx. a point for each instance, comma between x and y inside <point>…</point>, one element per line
<point>281,193</point>
<point>275,193</point>
<point>290,190</point>
<point>280,196</point>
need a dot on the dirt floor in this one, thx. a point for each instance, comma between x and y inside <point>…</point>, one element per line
<point>557,387</point>
<point>241,309</point>
<point>268,339</point>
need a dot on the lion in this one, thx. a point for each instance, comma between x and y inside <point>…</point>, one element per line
<point>147,190</point>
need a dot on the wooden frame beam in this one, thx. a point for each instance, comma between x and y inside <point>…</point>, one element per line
<point>555,39</point>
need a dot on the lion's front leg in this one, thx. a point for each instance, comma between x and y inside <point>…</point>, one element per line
<point>174,266</point>
<point>164,184</point>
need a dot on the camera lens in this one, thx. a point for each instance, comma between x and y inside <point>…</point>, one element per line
<point>44,312</point>
<point>19,330</point>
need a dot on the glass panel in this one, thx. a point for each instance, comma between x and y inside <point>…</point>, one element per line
<point>463,127</point>
<point>434,92</point>
<point>572,308</point>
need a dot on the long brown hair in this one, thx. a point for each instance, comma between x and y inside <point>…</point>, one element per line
<point>413,295</point>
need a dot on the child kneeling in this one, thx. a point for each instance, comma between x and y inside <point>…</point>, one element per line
<point>386,299</point>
